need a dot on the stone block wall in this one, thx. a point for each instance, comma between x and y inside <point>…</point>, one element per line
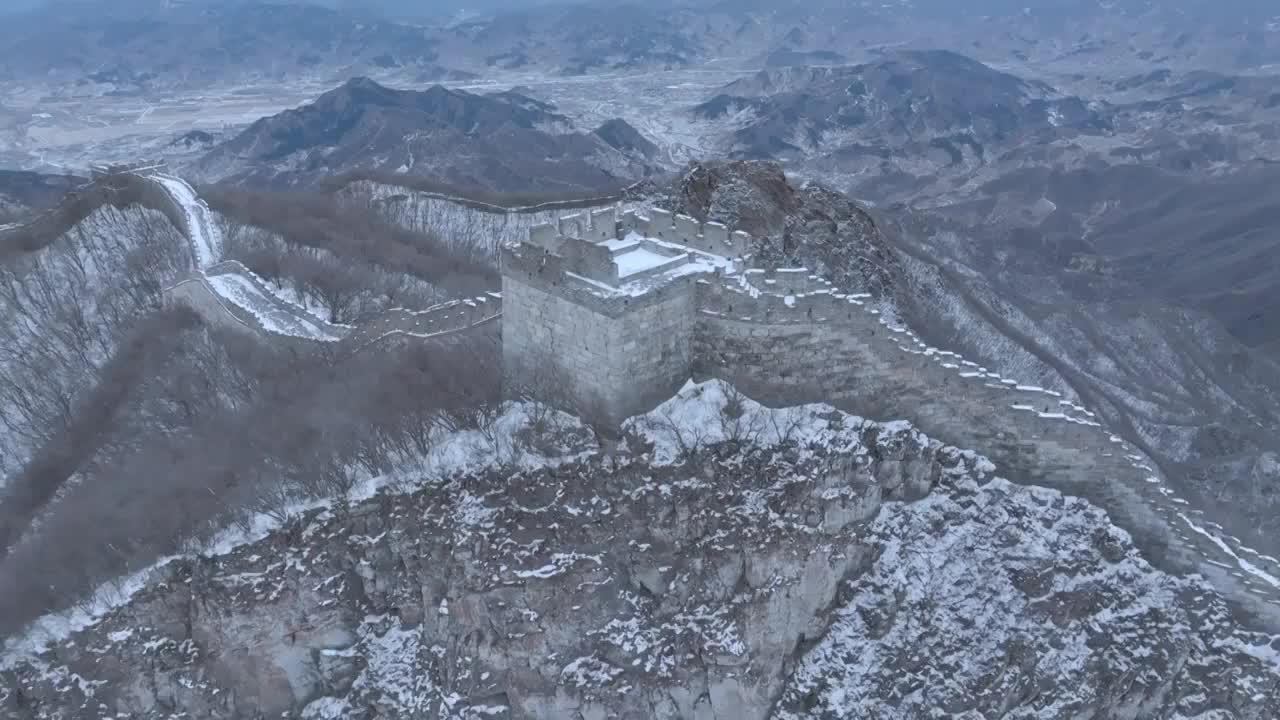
<point>439,320</point>
<point>605,224</point>
<point>152,194</point>
<point>545,236</point>
<point>607,366</point>
<point>545,271</point>
<point>830,347</point>
<point>121,191</point>
<point>588,259</point>
<point>785,281</point>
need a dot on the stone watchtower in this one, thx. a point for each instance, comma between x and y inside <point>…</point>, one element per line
<point>598,310</point>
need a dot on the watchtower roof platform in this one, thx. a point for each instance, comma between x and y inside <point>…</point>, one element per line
<point>638,265</point>
<point>602,256</point>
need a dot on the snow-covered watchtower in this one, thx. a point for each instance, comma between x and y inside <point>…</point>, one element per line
<point>598,309</point>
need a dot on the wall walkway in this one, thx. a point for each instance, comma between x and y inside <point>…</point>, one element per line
<point>437,321</point>
<point>822,346</point>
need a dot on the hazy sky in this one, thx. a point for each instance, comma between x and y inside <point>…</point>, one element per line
<point>402,7</point>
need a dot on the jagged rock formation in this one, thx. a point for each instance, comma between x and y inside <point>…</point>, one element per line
<point>798,226</point>
<point>733,563</point>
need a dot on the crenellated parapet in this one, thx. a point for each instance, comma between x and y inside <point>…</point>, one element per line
<point>709,237</point>
<point>777,297</point>
<point>656,224</point>
<point>600,261</point>
<point>141,167</point>
<point>437,321</point>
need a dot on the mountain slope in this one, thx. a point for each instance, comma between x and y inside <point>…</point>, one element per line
<point>789,564</point>
<point>1171,380</point>
<point>503,141</point>
<point>934,108</point>
<point>935,127</point>
<point>1203,242</point>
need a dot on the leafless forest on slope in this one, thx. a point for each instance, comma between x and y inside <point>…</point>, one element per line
<point>232,486</point>
<point>134,430</point>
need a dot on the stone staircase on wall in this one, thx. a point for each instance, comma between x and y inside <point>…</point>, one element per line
<point>254,307</point>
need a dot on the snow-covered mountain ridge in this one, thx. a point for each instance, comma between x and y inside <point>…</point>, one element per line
<point>883,369</point>
<point>807,238</point>
<point>729,562</point>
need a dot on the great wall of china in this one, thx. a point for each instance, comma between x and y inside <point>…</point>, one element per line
<point>634,305</point>
<point>227,294</point>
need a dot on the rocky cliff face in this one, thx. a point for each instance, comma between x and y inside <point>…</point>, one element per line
<point>728,562</point>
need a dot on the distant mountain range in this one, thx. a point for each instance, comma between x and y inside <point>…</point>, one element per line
<point>915,102</point>
<point>1144,177</point>
<point>137,47</point>
<point>144,45</point>
<point>911,117</point>
<point>502,141</point>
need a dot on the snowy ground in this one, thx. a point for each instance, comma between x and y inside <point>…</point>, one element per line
<point>271,312</point>
<point>976,596</point>
<point>453,453</point>
<point>202,230</point>
<point>38,131</point>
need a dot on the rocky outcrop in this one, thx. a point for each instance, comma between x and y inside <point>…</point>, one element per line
<point>807,225</point>
<point>731,562</point>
